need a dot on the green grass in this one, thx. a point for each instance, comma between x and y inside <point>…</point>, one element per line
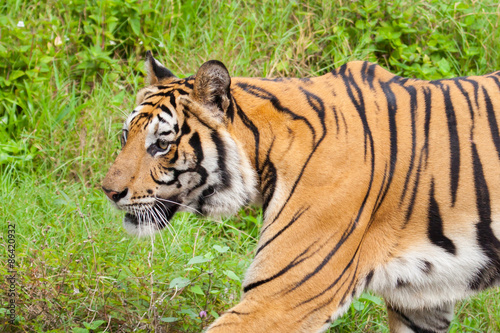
<point>67,80</point>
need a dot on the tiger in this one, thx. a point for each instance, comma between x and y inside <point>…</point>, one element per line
<point>368,181</point>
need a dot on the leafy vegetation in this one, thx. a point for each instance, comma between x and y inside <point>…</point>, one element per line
<point>68,73</point>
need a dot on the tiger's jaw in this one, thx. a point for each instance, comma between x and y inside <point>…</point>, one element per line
<point>150,219</point>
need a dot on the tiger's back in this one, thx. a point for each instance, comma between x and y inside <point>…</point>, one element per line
<point>368,181</point>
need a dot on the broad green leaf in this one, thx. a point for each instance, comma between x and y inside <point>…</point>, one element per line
<point>179,282</point>
<point>197,290</point>
<point>358,306</point>
<point>169,319</point>
<point>80,330</point>
<point>197,260</point>
<point>135,24</point>
<point>232,275</point>
<point>444,66</point>
<point>221,249</point>
<point>94,325</point>
<point>15,74</point>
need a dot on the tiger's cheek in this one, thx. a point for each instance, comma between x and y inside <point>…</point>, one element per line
<point>188,180</point>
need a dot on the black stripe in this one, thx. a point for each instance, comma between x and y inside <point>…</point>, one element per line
<point>175,157</point>
<point>409,323</point>
<point>316,103</point>
<point>336,121</point>
<point>391,110</point>
<point>295,217</point>
<point>172,102</point>
<point>237,313</point>
<point>497,81</point>
<point>146,116</point>
<point>368,73</point>
<point>486,239</point>
<point>296,261</point>
<point>188,83</point>
<point>156,180</point>
<point>230,109</point>
<point>369,278</point>
<point>347,233</point>
<point>318,106</point>
<point>195,143</point>
<point>454,143</point>
<point>333,284</point>
<point>360,108</point>
<point>409,211</point>
<point>161,119</point>
<point>467,98</point>
<point>268,179</point>
<point>424,152</point>
<point>225,176</point>
<point>185,129</point>
<point>337,290</point>
<point>475,85</point>
<point>160,94</point>
<point>363,71</point>
<point>427,267</point>
<point>255,131</point>
<point>435,225</point>
<point>427,123</point>
<point>492,121</point>
<point>264,94</point>
<point>413,106</point>
<point>371,75</point>
<point>352,86</point>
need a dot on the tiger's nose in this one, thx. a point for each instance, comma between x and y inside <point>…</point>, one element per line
<point>113,195</point>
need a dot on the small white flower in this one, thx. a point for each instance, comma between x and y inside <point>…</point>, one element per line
<point>140,43</point>
<point>112,42</point>
<point>161,44</point>
<point>20,24</point>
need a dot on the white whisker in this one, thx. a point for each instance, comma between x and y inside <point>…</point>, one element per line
<point>161,215</point>
<point>179,204</point>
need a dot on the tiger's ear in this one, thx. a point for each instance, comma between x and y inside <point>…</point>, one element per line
<point>156,71</point>
<point>211,87</point>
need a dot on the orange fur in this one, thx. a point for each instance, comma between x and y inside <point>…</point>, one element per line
<point>369,181</point>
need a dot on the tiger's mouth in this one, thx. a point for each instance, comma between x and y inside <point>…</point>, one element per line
<point>157,215</point>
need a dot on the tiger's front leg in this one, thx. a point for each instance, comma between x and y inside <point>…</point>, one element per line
<point>272,316</point>
<point>303,293</point>
<point>426,320</point>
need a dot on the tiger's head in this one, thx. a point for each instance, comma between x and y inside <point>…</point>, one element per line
<point>177,152</point>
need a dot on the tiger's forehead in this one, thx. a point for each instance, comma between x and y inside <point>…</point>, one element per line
<point>159,102</point>
<point>158,107</point>
<point>144,115</point>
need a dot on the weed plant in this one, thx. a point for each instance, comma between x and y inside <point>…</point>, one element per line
<point>68,74</point>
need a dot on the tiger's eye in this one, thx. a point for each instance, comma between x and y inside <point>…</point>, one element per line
<point>163,145</point>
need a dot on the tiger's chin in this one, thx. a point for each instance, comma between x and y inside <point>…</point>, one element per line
<point>134,227</point>
<point>148,223</point>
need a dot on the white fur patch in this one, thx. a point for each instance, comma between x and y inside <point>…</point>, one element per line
<point>420,286</point>
<point>141,230</point>
<point>243,183</point>
<point>495,226</point>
